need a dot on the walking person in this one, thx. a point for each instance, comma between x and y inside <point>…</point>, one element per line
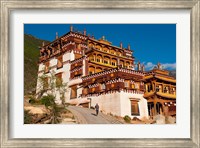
<point>97,109</point>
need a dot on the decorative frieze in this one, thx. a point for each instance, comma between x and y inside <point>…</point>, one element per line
<point>73,34</point>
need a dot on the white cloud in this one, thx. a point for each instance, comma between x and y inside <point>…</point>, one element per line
<point>168,66</point>
<point>149,65</point>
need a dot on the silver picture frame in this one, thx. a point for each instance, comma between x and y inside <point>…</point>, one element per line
<point>7,6</point>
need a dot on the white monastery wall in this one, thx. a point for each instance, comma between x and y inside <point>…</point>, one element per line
<point>116,103</point>
<point>74,81</point>
<point>126,104</point>
<point>109,103</point>
<point>66,73</point>
<point>53,62</point>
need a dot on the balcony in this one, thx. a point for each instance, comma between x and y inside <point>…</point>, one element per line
<point>166,95</point>
<point>148,94</point>
<point>103,64</point>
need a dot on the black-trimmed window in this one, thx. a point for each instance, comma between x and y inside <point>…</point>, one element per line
<point>98,60</point>
<point>46,70</point>
<point>105,61</point>
<point>134,108</point>
<point>103,86</point>
<point>59,62</point>
<point>113,63</point>
<point>73,92</point>
<point>59,80</point>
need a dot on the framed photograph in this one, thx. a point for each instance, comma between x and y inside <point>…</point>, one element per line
<point>112,73</point>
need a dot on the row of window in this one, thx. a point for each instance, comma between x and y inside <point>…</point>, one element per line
<point>159,89</point>
<point>112,63</point>
<point>126,85</point>
<point>105,62</point>
<point>106,50</point>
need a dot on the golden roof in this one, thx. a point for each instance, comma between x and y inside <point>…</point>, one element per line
<point>166,79</point>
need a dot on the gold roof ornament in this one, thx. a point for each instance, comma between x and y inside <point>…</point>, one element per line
<point>84,32</point>
<point>121,45</point>
<point>56,35</point>
<point>129,47</point>
<point>139,66</point>
<point>71,28</point>
<point>159,65</point>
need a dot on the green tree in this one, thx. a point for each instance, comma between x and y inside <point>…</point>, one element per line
<point>49,86</point>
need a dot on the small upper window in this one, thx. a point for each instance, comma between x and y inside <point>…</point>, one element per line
<point>46,67</point>
<point>126,84</point>
<point>103,86</point>
<point>59,62</point>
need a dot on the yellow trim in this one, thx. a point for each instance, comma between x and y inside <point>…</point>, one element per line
<point>166,95</point>
<point>148,94</point>
<point>103,64</point>
<point>148,77</point>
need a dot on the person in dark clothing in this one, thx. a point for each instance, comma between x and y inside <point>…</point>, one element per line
<point>97,108</point>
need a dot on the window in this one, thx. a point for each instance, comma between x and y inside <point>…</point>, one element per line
<point>126,84</point>
<point>73,92</point>
<point>91,58</point>
<point>166,89</point>
<point>78,46</point>
<point>113,63</point>
<point>58,79</point>
<point>106,62</point>
<point>45,83</point>
<point>59,62</point>
<point>91,70</point>
<point>102,86</point>
<point>137,86</point>
<point>157,88</point>
<point>173,91</point>
<point>134,107</point>
<point>85,91</point>
<point>98,60</point>
<point>46,70</point>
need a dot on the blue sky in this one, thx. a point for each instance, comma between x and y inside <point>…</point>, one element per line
<point>151,43</point>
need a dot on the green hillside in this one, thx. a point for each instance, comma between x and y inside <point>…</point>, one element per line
<point>31,56</point>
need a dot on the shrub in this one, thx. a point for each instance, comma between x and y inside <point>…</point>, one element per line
<point>127,119</point>
<point>48,100</point>
<point>27,118</point>
<point>33,100</point>
<point>59,109</point>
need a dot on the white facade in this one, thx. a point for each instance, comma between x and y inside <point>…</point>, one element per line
<point>65,70</point>
<point>118,103</point>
